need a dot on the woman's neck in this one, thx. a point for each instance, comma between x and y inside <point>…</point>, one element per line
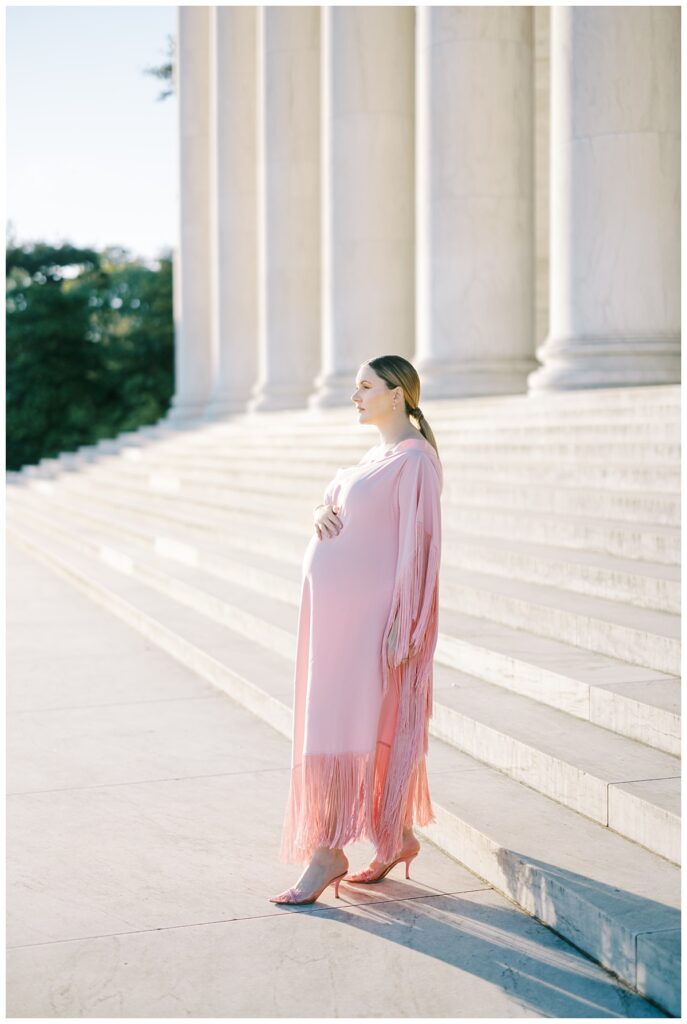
<point>413,434</point>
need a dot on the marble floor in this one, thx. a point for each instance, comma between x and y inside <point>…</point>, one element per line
<point>143,822</point>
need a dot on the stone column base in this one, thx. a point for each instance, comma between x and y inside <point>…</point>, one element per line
<point>572,363</point>
<point>333,390</point>
<point>462,378</point>
<point>225,408</point>
<point>185,411</point>
<point>278,396</point>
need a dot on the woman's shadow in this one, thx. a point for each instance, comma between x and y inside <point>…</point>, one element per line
<point>476,932</point>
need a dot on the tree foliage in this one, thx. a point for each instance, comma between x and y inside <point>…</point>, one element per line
<point>90,347</point>
<point>166,71</point>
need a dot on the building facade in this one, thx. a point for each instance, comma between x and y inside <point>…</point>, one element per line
<point>492,192</point>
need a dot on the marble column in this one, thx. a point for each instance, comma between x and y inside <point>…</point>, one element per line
<point>288,205</point>
<point>542,96</point>
<point>368,193</point>
<point>233,131</point>
<point>475,221</point>
<point>615,199</point>
<point>193,343</point>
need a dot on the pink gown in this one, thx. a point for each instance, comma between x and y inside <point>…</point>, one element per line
<point>360,726</point>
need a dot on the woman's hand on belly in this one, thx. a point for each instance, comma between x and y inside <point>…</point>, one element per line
<point>327,521</point>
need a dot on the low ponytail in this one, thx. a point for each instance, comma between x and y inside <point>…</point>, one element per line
<point>425,429</point>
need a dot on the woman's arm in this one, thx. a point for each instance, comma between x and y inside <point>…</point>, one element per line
<point>412,625</point>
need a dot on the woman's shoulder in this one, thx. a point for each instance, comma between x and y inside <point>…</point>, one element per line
<point>417,449</point>
<point>415,444</point>
<point>421,458</point>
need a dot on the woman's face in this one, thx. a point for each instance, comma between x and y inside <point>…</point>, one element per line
<point>373,399</point>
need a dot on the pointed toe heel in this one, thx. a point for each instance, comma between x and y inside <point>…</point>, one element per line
<point>295,901</point>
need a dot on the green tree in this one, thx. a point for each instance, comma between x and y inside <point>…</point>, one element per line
<point>90,347</point>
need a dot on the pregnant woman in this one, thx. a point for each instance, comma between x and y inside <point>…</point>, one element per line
<point>367,631</point>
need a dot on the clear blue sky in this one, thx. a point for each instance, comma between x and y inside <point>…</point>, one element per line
<point>91,153</point>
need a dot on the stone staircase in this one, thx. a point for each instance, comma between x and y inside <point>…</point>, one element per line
<point>555,756</point>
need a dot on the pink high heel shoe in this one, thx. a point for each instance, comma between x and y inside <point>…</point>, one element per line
<point>407,857</point>
<point>336,881</point>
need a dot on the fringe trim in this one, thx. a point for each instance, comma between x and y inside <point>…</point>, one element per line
<point>404,795</point>
<point>336,799</point>
<point>327,803</point>
<point>411,630</point>
<point>402,792</point>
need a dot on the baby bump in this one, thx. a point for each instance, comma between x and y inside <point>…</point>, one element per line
<point>351,569</point>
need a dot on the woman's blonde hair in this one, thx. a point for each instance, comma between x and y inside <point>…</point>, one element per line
<point>396,372</point>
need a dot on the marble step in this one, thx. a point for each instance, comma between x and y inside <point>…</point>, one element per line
<point>321,465</point>
<point>590,778</point>
<point>631,788</point>
<point>286,484</point>
<point>447,418</point>
<point>528,450</point>
<point>453,432</point>
<point>628,699</point>
<point>635,635</point>
<point>603,407</point>
<point>640,636</point>
<point>190,510</point>
<point>650,410</point>
<point>644,542</point>
<point>642,584</point>
<point>611,897</point>
<point>646,411</point>
<point>663,429</point>
<point>643,637</point>
<point>317,448</point>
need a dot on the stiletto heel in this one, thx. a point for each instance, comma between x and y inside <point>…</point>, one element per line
<point>385,871</point>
